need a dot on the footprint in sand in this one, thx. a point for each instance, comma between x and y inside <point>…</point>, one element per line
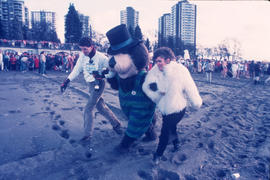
<point>204,119</point>
<point>72,141</point>
<point>145,175</point>
<point>200,145</point>
<point>64,134</point>
<point>57,117</point>
<point>211,145</point>
<point>179,159</point>
<point>198,124</point>
<point>170,175</point>
<point>2,99</point>
<point>104,122</point>
<point>221,173</point>
<point>189,177</point>
<point>14,111</point>
<point>62,122</point>
<point>55,127</point>
<point>52,113</point>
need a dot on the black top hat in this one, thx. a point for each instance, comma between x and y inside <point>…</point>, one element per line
<point>120,40</point>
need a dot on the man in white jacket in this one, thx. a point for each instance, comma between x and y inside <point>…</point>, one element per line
<point>92,63</point>
<point>170,85</point>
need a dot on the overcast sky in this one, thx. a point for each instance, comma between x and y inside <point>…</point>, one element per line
<point>245,21</point>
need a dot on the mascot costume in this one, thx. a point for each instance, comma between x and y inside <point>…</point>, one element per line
<point>128,62</point>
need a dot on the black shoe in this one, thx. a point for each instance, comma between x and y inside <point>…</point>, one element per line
<point>118,129</point>
<point>121,150</point>
<point>86,140</point>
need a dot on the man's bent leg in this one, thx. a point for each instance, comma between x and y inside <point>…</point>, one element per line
<point>88,111</point>
<point>106,112</point>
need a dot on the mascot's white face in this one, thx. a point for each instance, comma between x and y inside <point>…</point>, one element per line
<point>124,66</point>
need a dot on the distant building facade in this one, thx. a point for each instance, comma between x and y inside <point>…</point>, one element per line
<point>130,17</point>
<point>86,27</point>
<point>180,23</point>
<point>43,17</point>
<point>9,10</point>
<point>164,27</point>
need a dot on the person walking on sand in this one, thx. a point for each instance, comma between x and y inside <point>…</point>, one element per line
<point>92,64</point>
<point>209,68</point>
<point>169,85</point>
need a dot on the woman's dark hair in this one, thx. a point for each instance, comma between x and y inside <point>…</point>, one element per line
<point>164,52</point>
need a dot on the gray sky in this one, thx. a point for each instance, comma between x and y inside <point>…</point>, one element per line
<point>245,21</point>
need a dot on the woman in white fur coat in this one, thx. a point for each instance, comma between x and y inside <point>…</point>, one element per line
<point>170,86</point>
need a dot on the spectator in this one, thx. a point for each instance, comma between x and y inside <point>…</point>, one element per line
<point>209,68</point>
<point>12,62</point>
<point>42,63</point>
<point>1,61</point>
<point>257,72</point>
<point>6,61</point>
<point>23,66</point>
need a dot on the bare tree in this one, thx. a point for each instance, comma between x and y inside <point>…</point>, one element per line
<point>233,47</point>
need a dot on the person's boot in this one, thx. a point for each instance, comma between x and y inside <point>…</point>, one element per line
<point>118,129</point>
<point>85,141</point>
<point>120,150</point>
<point>150,134</point>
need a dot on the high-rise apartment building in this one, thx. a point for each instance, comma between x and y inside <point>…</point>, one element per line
<point>184,22</point>
<point>43,17</point>
<point>85,20</point>
<point>180,23</point>
<point>9,10</point>
<point>130,17</point>
<point>164,27</point>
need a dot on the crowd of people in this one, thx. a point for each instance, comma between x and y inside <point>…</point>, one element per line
<point>65,62</point>
<point>13,61</point>
<point>38,44</point>
<point>232,69</point>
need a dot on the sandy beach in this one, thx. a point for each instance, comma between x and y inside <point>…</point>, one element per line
<point>228,138</point>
